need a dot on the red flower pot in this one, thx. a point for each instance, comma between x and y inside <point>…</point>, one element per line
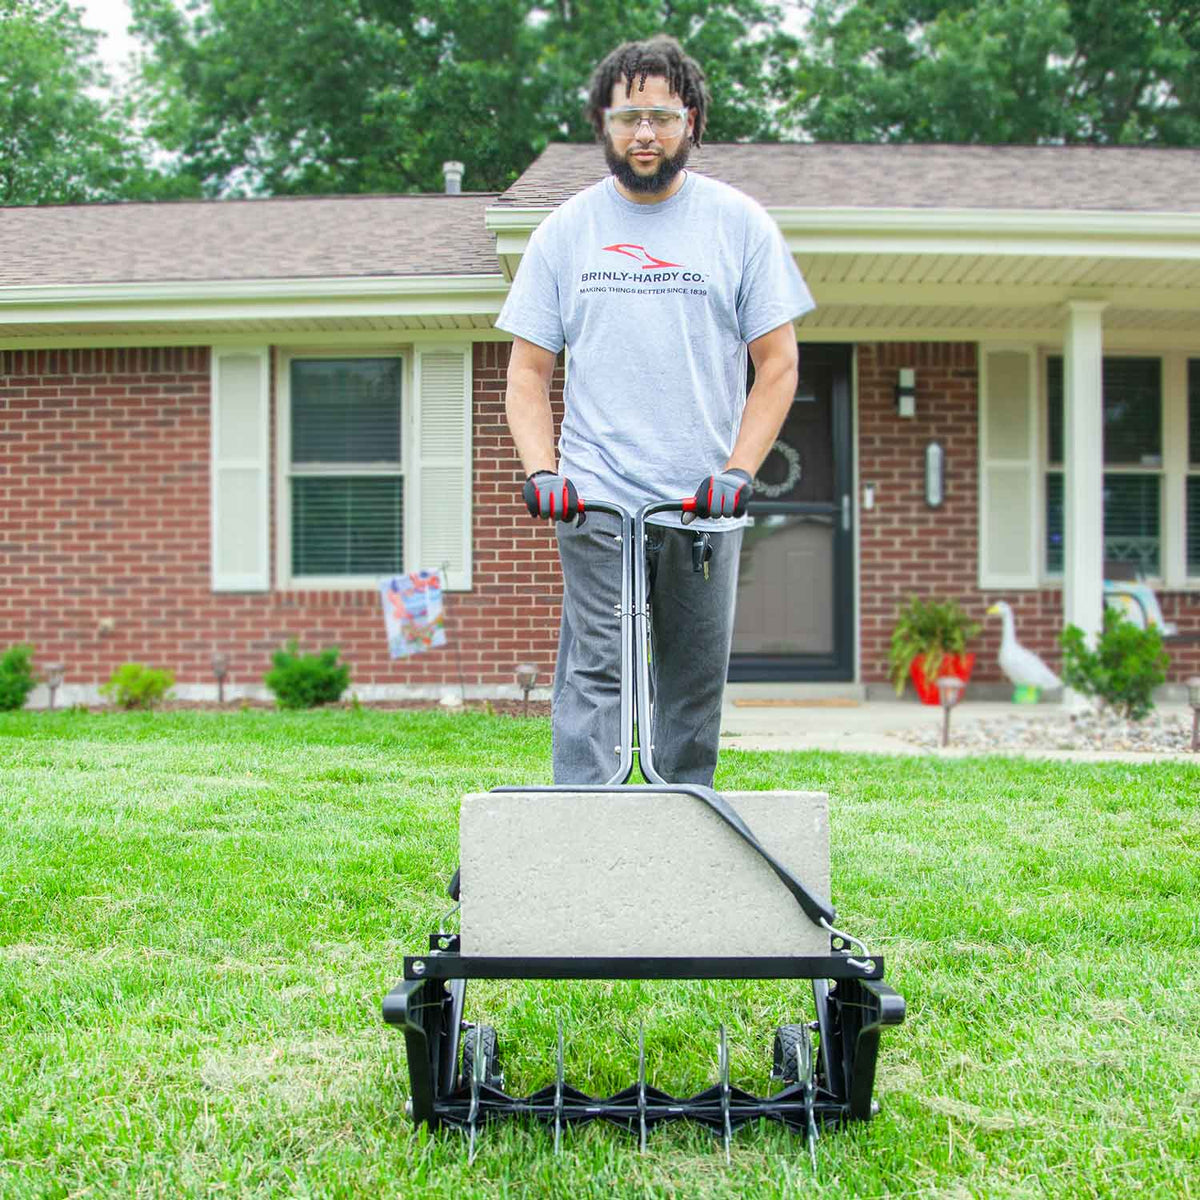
<point>958,665</point>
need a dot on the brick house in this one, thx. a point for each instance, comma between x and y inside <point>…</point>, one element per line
<point>221,422</point>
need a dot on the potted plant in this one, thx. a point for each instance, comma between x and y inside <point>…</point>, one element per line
<point>929,640</point>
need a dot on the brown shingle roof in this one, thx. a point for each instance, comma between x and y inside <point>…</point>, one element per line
<point>282,238</point>
<point>1102,178</point>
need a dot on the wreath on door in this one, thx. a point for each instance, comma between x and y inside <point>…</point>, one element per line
<point>795,472</point>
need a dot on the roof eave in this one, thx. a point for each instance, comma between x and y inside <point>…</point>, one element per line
<point>250,299</point>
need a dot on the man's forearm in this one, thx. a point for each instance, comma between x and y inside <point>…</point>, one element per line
<point>527,407</point>
<point>766,409</point>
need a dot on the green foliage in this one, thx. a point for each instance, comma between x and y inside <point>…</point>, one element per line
<point>306,680</point>
<point>992,71</point>
<point>365,96</point>
<point>1126,666</point>
<point>61,140</point>
<point>16,677</point>
<point>933,628</point>
<point>133,685</point>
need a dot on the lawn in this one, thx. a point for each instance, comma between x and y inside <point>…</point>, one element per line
<point>200,913</point>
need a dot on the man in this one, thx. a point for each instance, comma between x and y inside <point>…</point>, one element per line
<point>656,280</point>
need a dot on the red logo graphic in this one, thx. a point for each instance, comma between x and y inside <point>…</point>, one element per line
<point>644,258</point>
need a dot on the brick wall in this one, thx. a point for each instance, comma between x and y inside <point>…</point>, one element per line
<point>104,536</point>
<point>908,547</point>
<point>104,529</point>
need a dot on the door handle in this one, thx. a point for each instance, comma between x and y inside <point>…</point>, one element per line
<point>846,512</point>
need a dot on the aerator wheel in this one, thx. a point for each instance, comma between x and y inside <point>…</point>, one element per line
<point>489,1049</point>
<point>793,1059</point>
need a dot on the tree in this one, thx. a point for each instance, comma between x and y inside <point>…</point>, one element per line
<point>309,96</point>
<point>1026,71</point>
<point>60,141</point>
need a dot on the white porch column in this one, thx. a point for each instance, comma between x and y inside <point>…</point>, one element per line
<point>1083,471</point>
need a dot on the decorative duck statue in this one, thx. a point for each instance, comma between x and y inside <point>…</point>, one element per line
<point>1022,666</point>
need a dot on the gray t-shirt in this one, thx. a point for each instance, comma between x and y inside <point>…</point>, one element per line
<point>655,304</point>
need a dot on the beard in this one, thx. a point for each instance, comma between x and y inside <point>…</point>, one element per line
<point>669,166</point>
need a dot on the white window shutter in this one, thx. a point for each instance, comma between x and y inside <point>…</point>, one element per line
<point>240,506</point>
<point>441,463</point>
<point>1009,520</point>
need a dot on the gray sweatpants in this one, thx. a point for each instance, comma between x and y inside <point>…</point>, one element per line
<point>691,628</point>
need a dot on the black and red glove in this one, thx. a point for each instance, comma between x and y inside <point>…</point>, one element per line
<point>723,495</point>
<point>550,495</point>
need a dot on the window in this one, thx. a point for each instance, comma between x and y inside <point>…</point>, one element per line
<point>345,478</point>
<point>1133,454</point>
<point>1192,514</point>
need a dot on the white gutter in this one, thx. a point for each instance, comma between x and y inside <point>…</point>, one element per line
<point>236,299</point>
<point>938,222</point>
<point>931,222</point>
<point>234,290</point>
<point>1001,231</point>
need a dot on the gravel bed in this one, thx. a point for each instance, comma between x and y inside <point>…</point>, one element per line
<point>1090,730</point>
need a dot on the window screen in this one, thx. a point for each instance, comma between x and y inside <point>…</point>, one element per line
<point>346,411</point>
<point>342,525</point>
<point>1132,439</point>
<point>1132,411</point>
<point>347,488</point>
<point>1192,515</point>
<point>1054,523</point>
<point>1132,522</point>
<point>1193,525</point>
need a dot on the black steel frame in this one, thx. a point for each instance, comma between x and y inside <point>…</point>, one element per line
<point>853,1004</point>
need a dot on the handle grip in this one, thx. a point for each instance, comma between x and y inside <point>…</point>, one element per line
<point>687,504</point>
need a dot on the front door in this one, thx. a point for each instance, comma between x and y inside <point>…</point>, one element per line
<point>795,599</point>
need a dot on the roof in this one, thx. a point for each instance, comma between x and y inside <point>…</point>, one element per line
<point>279,238</point>
<point>824,175</point>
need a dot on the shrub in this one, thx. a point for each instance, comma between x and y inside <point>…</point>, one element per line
<point>1124,669</point>
<point>930,628</point>
<point>306,680</point>
<point>133,685</point>
<point>16,677</point>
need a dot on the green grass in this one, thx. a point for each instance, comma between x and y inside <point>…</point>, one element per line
<point>200,914</point>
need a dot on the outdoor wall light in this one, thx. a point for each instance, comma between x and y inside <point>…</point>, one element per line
<point>527,675</point>
<point>1193,687</point>
<point>950,692</point>
<point>220,666</point>
<point>906,393</point>
<point>54,678</point>
<point>935,475</point>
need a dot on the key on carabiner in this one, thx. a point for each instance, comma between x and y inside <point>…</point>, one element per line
<point>701,552</point>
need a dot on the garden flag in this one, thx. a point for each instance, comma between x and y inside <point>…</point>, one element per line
<point>412,613</point>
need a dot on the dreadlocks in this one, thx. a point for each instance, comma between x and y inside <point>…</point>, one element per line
<point>634,62</point>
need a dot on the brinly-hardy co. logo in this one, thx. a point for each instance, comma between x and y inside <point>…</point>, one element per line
<point>641,255</point>
<point>648,263</point>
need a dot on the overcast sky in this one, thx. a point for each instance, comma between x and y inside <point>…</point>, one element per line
<point>110,17</point>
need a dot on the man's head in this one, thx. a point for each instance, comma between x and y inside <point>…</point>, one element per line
<point>648,102</point>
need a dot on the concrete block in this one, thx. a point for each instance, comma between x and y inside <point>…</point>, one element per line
<point>628,873</point>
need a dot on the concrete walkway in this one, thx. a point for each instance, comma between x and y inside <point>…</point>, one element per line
<point>769,717</point>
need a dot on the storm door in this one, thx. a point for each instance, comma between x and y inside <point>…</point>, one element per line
<point>795,599</point>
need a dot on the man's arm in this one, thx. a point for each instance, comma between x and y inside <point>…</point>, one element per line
<point>775,373</point>
<point>527,404</point>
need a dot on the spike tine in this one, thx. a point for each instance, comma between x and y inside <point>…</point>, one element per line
<point>810,1102</point>
<point>723,1064</point>
<point>558,1091</point>
<point>476,1076</point>
<point>642,1088</point>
